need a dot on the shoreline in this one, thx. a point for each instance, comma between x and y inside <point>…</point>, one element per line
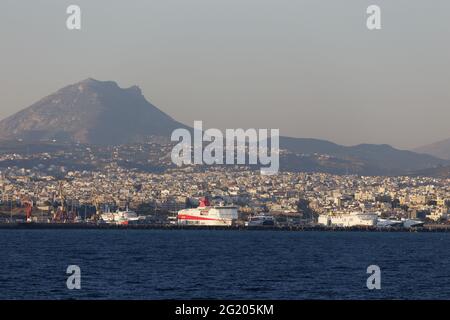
<point>91,226</point>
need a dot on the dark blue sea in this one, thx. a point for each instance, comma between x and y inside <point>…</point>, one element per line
<point>210,264</point>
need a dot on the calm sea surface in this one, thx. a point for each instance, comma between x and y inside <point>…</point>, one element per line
<point>189,264</point>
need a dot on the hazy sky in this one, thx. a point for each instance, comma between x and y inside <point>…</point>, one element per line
<point>310,68</point>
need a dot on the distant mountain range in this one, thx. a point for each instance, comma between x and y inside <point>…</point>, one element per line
<point>366,158</point>
<point>101,113</point>
<point>439,149</point>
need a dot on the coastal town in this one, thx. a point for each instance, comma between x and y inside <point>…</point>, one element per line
<point>56,194</point>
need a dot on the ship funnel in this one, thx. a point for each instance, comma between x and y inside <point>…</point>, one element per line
<point>204,202</point>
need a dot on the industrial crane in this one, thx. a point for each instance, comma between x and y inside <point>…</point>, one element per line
<point>61,214</point>
<point>28,209</point>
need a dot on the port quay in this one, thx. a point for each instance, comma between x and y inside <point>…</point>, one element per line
<point>317,228</point>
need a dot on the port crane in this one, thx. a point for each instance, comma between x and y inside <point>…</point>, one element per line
<point>28,209</point>
<point>96,202</point>
<point>62,214</point>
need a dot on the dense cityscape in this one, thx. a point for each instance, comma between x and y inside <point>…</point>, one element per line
<point>291,198</point>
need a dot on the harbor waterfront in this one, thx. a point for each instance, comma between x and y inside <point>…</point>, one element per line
<point>55,226</point>
<point>223,196</point>
<point>218,264</point>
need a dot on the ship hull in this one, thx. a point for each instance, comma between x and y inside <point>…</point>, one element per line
<point>208,216</point>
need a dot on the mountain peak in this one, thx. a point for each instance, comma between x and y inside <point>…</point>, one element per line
<point>93,84</point>
<point>90,111</point>
<point>89,80</point>
<point>135,89</point>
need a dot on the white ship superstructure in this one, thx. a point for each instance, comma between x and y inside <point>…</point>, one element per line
<point>120,217</point>
<point>207,215</point>
<point>261,220</point>
<point>411,223</point>
<point>368,219</point>
<point>352,219</point>
<point>389,223</point>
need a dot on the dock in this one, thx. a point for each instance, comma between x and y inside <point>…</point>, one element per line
<point>317,228</point>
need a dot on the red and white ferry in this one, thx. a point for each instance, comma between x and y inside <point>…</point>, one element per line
<point>207,215</point>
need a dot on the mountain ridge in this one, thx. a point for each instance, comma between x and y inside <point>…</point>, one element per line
<point>100,112</point>
<point>377,158</point>
<point>440,149</point>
